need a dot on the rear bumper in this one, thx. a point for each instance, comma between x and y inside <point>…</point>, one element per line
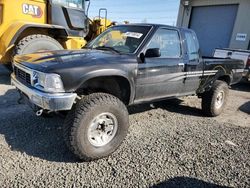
<point>46,101</point>
<point>246,74</point>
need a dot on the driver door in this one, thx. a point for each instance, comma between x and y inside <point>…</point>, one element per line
<point>163,76</point>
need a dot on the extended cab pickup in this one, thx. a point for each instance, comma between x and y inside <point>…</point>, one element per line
<point>126,65</point>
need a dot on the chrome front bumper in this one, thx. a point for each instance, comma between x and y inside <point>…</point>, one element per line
<point>46,101</point>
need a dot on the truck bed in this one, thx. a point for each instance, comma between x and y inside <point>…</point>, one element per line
<point>228,67</point>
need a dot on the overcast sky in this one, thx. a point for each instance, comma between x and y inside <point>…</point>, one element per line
<point>137,11</point>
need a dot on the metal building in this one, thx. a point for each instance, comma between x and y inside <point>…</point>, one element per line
<point>217,23</point>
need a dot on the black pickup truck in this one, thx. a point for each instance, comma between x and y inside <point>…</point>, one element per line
<point>125,65</point>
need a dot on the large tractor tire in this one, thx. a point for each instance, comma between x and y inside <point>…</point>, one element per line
<point>96,126</point>
<point>214,100</point>
<point>35,43</point>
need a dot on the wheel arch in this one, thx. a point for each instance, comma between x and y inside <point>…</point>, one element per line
<point>114,84</point>
<point>29,29</point>
<point>19,30</point>
<point>225,78</point>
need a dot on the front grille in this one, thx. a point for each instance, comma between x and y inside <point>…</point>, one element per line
<point>22,75</point>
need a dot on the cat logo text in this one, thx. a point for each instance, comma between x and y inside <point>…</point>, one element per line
<point>33,10</point>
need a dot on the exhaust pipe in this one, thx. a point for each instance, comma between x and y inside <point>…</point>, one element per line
<point>39,112</point>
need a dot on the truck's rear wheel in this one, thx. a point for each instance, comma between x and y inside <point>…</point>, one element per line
<point>96,127</point>
<point>214,100</point>
<point>35,43</point>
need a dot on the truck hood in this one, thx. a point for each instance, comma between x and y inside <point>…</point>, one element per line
<point>53,61</point>
<point>76,66</point>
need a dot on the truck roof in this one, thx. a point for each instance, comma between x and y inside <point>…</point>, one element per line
<point>155,25</point>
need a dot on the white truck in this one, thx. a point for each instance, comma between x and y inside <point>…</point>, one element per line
<point>235,54</point>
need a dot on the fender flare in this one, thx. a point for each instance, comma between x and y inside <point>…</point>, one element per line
<point>11,34</point>
<point>110,73</point>
<point>44,26</point>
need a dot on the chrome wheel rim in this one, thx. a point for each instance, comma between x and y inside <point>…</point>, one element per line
<point>102,129</point>
<point>219,99</point>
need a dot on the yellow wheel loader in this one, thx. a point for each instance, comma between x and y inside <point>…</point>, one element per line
<point>28,26</point>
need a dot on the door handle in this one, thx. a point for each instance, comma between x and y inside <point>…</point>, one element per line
<point>181,64</point>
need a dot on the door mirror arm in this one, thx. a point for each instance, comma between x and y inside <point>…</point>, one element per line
<point>141,58</point>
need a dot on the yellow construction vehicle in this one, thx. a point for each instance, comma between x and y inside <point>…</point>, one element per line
<point>27,26</point>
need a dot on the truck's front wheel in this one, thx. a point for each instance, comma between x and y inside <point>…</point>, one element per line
<point>35,43</point>
<point>214,100</point>
<point>96,127</point>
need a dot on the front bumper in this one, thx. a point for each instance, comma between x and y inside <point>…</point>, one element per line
<point>46,101</point>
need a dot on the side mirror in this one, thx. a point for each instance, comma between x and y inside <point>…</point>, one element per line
<point>153,52</point>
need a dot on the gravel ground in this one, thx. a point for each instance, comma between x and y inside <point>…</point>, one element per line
<point>170,144</point>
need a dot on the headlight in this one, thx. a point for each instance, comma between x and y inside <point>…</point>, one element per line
<point>48,82</point>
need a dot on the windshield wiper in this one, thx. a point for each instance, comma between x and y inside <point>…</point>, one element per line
<point>107,48</point>
<point>86,47</point>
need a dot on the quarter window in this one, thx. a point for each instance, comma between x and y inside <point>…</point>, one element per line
<point>168,41</point>
<point>193,46</point>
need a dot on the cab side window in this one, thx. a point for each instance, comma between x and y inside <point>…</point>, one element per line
<point>168,41</point>
<point>192,45</point>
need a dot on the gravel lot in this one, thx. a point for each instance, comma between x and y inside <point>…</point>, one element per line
<point>169,144</point>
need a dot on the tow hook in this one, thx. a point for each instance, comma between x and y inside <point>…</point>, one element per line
<point>78,98</point>
<point>39,112</point>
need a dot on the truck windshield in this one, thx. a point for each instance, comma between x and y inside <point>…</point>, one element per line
<point>79,4</point>
<point>123,39</point>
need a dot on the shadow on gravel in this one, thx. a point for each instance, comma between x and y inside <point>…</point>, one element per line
<point>245,107</point>
<point>242,86</point>
<point>37,137</point>
<point>185,182</point>
<point>171,105</point>
<point>4,75</point>
<point>6,100</point>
